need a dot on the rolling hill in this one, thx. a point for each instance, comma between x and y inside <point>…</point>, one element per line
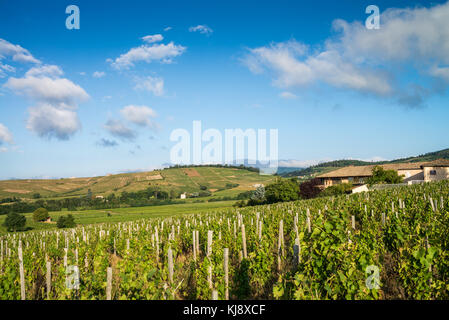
<point>218,180</point>
<point>333,165</point>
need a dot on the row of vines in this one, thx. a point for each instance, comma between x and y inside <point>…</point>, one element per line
<point>390,244</point>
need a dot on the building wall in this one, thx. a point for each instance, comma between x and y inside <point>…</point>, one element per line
<point>413,174</point>
<point>440,173</point>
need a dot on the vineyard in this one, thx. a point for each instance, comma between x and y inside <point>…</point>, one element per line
<point>389,244</point>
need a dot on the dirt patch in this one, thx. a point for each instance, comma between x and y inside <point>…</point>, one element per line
<point>213,190</point>
<point>191,172</point>
<point>391,286</point>
<point>22,191</point>
<point>155,177</point>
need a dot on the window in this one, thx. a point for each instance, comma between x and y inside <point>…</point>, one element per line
<point>433,172</point>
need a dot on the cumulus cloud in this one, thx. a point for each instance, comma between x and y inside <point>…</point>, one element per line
<point>98,74</point>
<point>5,135</point>
<point>44,70</point>
<point>153,38</point>
<point>292,67</point>
<point>46,89</point>
<point>48,121</point>
<point>201,29</point>
<point>106,143</point>
<point>54,115</point>
<point>151,84</point>
<point>140,115</point>
<point>370,61</point>
<point>119,130</point>
<point>16,52</point>
<point>163,53</point>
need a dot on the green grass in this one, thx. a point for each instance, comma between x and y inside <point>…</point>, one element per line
<point>123,214</point>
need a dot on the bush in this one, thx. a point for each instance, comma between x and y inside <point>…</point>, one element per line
<point>15,222</point>
<point>203,187</point>
<point>339,189</point>
<point>37,196</point>
<point>40,214</point>
<point>66,222</point>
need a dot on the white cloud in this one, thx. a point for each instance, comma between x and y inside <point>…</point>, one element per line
<point>57,98</point>
<point>364,60</point>
<point>44,70</point>
<point>5,68</point>
<point>163,53</point>
<point>287,95</point>
<point>45,89</point>
<point>5,135</point>
<point>119,130</point>
<point>153,38</point>
<point>49,121</point>
<point>201,29</point>
<point>291,68</point>
<point>140,115</point>
<point>168,28</point>
<point>154,85</point>
<point>3,149</point>
<point>15,52</point>
<point>98,74</point>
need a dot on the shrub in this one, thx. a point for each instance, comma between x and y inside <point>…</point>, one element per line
<point>339,189</point>
<point>203,187</point>
<point>40,214</point>
<point>15,222</point>
<point>66,222</point>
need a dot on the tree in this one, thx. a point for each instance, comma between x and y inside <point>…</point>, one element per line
<point>380,176</point>
<point>282,190</point>
<point>310,189</point>
<point>36,195</point>
<point>66,222</point>
<point>15,222</point>
<point>258,194</point>
<point>40,214</point>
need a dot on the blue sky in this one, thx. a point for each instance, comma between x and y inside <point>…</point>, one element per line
<point>312,70</point>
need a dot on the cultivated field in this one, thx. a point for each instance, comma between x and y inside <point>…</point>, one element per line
<point>389,244</point>
<point>178,179</point>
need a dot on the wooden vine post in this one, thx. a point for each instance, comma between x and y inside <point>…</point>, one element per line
<point>170,265</point>
<point>22,275</point>
<point>48,279</point>
<point>109,284</point>
<point>245,255</point>
<point>226,271</point>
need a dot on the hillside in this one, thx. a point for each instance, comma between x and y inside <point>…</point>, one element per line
<point>333,165</point>
<point>216,179</point>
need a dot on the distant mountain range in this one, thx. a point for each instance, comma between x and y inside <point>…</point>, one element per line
<point>332,165</point>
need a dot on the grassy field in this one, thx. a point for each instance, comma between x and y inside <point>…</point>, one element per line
<point>123,214</point>
<point>178,179</point>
